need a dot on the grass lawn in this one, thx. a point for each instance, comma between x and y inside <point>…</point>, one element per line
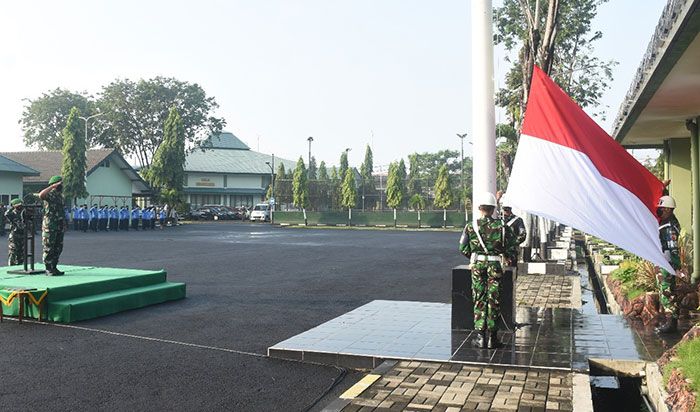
<point>689,361</point>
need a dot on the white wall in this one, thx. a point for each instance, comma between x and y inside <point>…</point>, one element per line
<point>11,184</point>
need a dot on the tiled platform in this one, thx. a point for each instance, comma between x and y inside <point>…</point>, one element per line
<point>408,385</point>
<point>559,338</point>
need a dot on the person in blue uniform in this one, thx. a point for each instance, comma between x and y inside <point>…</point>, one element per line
<point>84,217</point>
<point>145,218</point>
<point>67,216</point>
<point>135,217</point>
<point>161,217</point>
<point>113,218</point>
<point>94,217</point>
<point>154,217</point>
<point>124,218</point>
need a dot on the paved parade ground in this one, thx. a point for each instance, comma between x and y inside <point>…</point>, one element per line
<point>248,287</point>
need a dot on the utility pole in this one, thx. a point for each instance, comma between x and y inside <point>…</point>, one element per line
<point>86,125</point>
<point>483,105</point>
<point>308,170</point>
<point>461,168</point>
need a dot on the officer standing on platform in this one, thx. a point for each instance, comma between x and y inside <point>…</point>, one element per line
<point>669,232</point>
<point>485,242</point>
<point>53,225</point>
<point>135,217</point>
<point>517,226</point>
<point>15,242</point>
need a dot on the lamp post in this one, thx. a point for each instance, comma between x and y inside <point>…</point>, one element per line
<point>272,187</point>
<point>461,167</point>
<point>308,170</point>
<point>86,119</point>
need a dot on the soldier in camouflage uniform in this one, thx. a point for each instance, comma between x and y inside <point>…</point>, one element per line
<point>15,242</point>
<point>485,245</point>
<point>669,231</point>
<point>517,226</point>
<point>53,225</point>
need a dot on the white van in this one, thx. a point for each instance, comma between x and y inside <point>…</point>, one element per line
<point>260,212</point>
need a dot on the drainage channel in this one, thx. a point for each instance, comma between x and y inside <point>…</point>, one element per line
<point>611,390</point>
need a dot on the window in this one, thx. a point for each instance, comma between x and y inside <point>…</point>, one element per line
<point>4,199</point>
<point>187,180</point>
<point>225,181</point>
<point>104,163</point>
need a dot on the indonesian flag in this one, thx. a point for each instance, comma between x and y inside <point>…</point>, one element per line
<point>569,170</point>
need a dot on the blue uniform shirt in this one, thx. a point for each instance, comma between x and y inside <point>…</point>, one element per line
<point>135,213</point>
<point>93,213</point>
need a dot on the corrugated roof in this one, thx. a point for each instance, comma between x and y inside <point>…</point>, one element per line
<point>232,161</point>
<point>49,162</point>
<point>11,166</point>
<point>225,140</point>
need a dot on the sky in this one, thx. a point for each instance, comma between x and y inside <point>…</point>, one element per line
<point>394,74</point>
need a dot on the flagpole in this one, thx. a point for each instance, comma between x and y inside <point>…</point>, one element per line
<point>483,106</point>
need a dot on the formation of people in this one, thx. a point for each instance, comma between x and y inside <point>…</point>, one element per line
<point>56,218</point>
<point>112,218</point>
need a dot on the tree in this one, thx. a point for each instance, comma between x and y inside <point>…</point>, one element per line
<point>556,36</point>
<point>349,190</point>
<point>167,171</point>
<point>655,165</point>
<point>443,190</point>
<point>74,159</point>
<point>334,191</point>
<point>283,192</point>
<point>394,192</point>
<point>367,166</point>
<point>44,119</point>
<point>134,113</point>
<point>300,187</point>
<point>312,169</point>
<point>343,164</point>
<point>417,202</point>
<point>322,171</point>
<point>414,182</point>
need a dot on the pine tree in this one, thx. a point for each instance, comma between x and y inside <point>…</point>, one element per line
<point>74,159</point>
<point>312,169</point>
<point>394,195</point>
<point>401,171</point>
<point>367,166</point>
<point>443,190</point>
<point>334,191</point>
<point>322,171</point>
<point>167,171</point>
<point>300,186</point>
<point>349,191</point>
<point>343,164</point>
<point>414,182</point>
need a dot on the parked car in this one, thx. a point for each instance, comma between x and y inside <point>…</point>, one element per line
<point>260,212</point>
<point>202,213</point>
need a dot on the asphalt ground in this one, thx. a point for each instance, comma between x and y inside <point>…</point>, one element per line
<point>249,286</point>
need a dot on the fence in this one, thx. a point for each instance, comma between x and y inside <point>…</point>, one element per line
<point>452,218</point>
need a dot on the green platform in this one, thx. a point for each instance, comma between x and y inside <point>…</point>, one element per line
<point>87,292</point>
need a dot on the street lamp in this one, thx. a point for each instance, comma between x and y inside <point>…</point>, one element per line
<point>308,171</point>
<point>461,165</point>
<point>86,124</point>
<point>272,186</point>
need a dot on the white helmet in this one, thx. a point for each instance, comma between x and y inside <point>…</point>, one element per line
<point>485,199</point>
<point>505,202</point>
<point>667,201</point>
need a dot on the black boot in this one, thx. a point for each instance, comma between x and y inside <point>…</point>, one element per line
<point>494,343</point>
<point>480,341</point>
<point>51,270</point>
<point>669,327</point>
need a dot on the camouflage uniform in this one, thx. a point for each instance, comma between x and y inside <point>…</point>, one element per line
<point>15,242</point>
<point>52,228</point>
<point>498,239</point>
<point>669,231</point>
<point>517,226</point>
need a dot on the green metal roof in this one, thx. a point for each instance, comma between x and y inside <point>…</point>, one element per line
<point>10,166</point>
<point>232,162</point>
<point>224,140</point>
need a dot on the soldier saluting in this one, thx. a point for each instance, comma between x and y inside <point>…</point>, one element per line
<point>18,228</point>
<point>53,225</point>
<point>517,226</point>
<point>485,241</point>
<point>669,232</point>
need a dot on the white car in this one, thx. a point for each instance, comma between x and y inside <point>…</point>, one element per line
<point>260,212</point>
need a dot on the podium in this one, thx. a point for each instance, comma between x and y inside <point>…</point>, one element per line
<point>463,302</point>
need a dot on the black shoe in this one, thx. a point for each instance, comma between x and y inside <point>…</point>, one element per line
<point>669,327</point>
<point>494,343</point>
<point>53,271</point>
<point>480,342</point>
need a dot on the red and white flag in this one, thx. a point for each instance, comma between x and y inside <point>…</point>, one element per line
<point>569,170</point>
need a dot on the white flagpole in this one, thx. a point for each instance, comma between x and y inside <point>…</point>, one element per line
<point>483,105</point>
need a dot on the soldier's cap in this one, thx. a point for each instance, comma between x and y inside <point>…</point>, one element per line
<point>55,179</point>
<point>15,202</point>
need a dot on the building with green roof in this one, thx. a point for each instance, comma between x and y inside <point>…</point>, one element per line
<point>11,175</point>
<point>224,171</point>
